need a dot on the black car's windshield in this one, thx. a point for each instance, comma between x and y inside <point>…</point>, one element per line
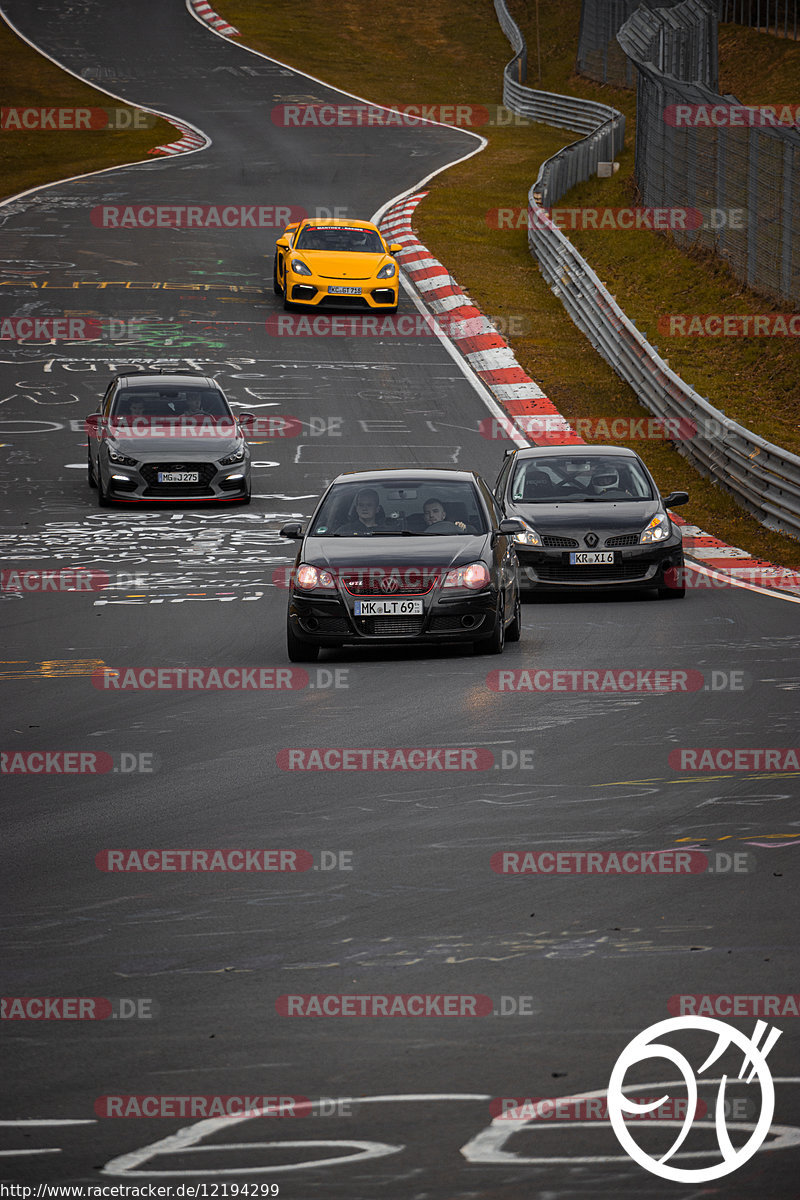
<point>177,403</point>
<point>401,507</point>
<point>339,237</point>
<point>571,478</point>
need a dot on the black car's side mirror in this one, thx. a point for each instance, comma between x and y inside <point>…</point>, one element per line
<point>91,423</point>
<point>676,498</point>
<point>246,421</point>
<point>293,530</point>
<point>507,527</point>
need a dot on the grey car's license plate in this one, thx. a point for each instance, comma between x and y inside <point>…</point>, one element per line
<point>344,291</point>
<point>388,608</point>
<point>585,558</point>
<point>178,476</point>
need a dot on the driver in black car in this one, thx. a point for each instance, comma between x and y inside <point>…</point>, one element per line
<point>436,521</point>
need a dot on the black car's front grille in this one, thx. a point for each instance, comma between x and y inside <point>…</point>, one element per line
<point>553,543</point>
<point>391,626</point>
<point>593,573</point>
<point>205,471</point>
<point>412,583</point>
<point>623,539</point>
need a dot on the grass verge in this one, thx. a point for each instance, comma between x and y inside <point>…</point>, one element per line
<point>32,157</point>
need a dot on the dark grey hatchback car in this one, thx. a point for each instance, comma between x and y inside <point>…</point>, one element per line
<point>164,436</point>
<point>417,556</point>
<point>594,518</point>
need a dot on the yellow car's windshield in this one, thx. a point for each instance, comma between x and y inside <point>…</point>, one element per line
<point>339,237</point>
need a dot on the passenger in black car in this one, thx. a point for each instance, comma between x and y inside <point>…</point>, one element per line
<point>369,516</point>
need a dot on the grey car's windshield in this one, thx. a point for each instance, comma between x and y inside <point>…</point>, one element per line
<point>339,237</point>
<point>573,478</point>
<point>174,402</point>
<point>401,508</point>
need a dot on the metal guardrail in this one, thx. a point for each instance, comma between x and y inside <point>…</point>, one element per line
<point>603,127</point>
<point>763,477</point>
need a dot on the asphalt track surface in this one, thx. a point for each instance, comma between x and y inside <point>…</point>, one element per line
<point>595,958</point>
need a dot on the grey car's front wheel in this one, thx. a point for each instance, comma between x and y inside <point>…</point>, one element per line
<point>102,495</point>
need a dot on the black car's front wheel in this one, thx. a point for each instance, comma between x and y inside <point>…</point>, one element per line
<point>300,652</point>
<point>90,471</point>
<point>675,590</point>
<point>495,642</point>
<point>515,628</point>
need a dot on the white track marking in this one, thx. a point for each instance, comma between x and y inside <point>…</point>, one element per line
<point>735,581</point>
<point>185,1141</point>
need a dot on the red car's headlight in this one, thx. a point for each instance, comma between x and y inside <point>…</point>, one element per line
<point>474,576</point>
<point>309,578</point>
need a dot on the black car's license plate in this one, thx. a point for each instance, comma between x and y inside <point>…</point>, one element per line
<point>178,476</point>
<point>587,558</point>
<point>344,291</point>
<point>388,608</point>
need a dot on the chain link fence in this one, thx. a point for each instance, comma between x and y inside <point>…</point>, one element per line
<point>600,56</point>
<point>701,151</point>
<point>764,478</point>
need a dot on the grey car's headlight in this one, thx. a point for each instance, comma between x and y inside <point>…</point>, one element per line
<point>529,537</point>
<point>121,460</point>
<point>299,267</point>
<point>387,272</point>
<point>658,529</point>
<point>236,457</point>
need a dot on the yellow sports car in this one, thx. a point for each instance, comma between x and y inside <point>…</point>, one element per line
<point>336,262</point>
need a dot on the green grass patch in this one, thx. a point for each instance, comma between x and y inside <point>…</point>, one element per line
<point>32,157</point>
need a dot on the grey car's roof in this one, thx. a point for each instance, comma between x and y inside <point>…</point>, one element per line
<point>589,451</point>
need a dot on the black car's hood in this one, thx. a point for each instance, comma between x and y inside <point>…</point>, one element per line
<point>419,550</point>
<point>578,516</point>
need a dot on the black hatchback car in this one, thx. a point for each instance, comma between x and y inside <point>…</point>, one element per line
<point>417,556</point>
<point>593,518</point>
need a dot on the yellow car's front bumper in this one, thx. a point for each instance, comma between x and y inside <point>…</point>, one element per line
<point>311,291</point>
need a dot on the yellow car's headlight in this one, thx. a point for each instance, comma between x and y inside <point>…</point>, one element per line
<point>387,272</point>
<point>299,267</point>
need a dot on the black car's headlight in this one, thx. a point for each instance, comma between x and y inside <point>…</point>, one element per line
<point>236,457</point>
<point>121,460</point>
<point>658,530</point>
<point>474,576</point>
<point>308,578</point>
<point>299,267</point>
<point>387,272</point>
